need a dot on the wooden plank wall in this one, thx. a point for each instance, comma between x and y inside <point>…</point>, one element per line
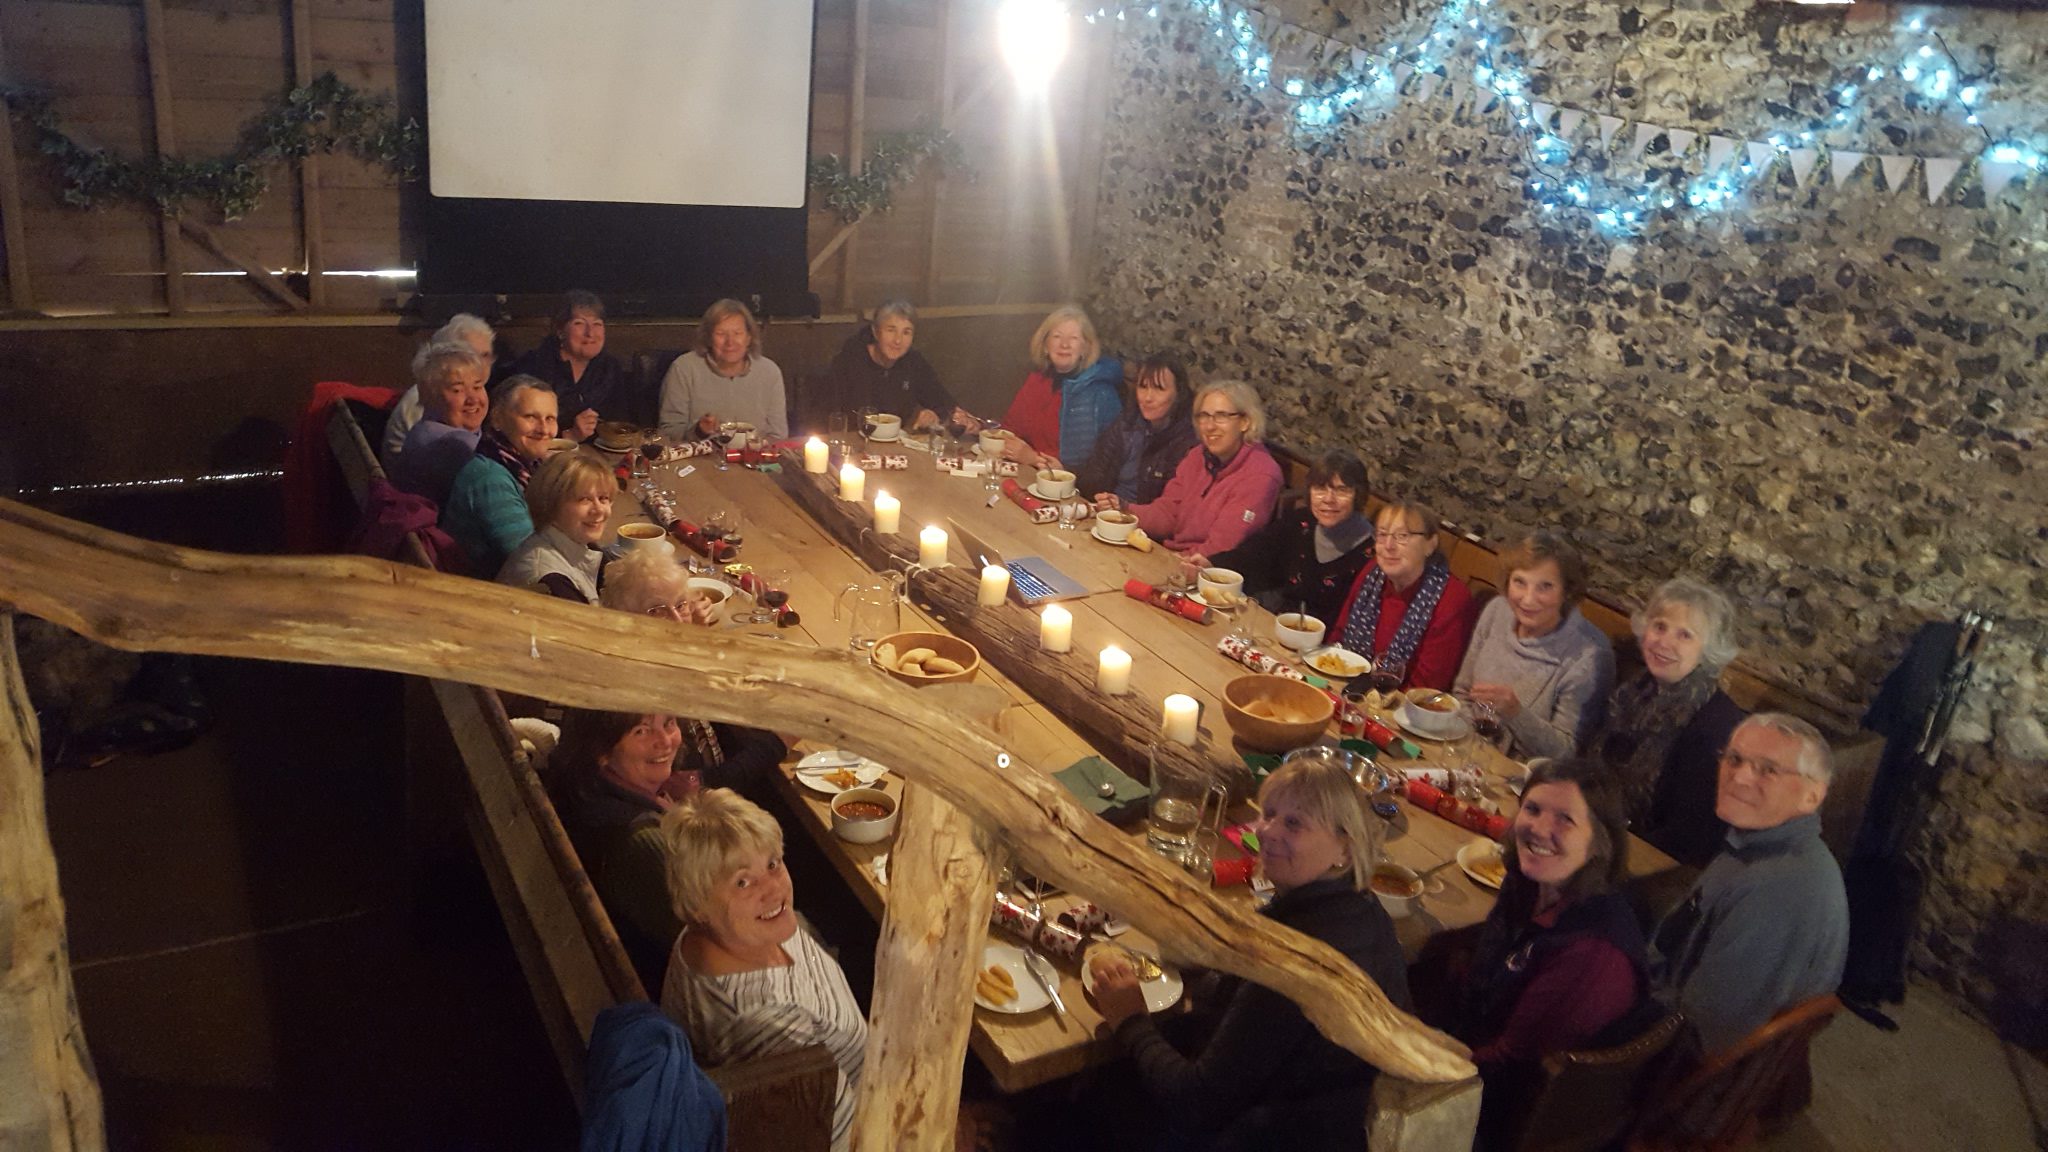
<point>996,238</point>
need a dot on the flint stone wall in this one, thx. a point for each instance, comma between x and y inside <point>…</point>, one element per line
<point>1828,401</point>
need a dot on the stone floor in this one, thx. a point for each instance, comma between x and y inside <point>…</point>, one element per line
<point>1942,1081</point>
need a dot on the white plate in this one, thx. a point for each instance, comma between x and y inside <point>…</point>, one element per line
<point>1457,732</point>
<point>1160,994</point>
<point>1030,994</point>
<point>1201,597</point>
<point>1351,659</point>
<point>1473,852</point>
<point>867,771</point>
<point>1033,489</point>
<point>886,439</point>
<point>1097,533</point>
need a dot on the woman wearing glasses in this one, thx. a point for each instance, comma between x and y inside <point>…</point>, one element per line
<point>1308,558</point>
<point>1224,488</point>
<point>1406,609</point>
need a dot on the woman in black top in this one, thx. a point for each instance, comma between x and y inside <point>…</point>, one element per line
<point>1309,556</point>
<point>878,368</point>
<point>1136,455</point>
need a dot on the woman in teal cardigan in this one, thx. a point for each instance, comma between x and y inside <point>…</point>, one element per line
<point>486,510</point>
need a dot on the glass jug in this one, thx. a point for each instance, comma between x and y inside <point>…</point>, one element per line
<point>871,608</point>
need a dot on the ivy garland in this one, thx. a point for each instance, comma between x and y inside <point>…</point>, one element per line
<point>894,156</point>
<point>326,116</point>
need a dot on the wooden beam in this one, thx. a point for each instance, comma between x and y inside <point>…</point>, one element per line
<point>260,276</point>
<point>942,881</point>
<point>309,167</point>
<point>856,143</point>
<point>49,1098</point>
<point>357,612</point>
<point>157,52</point>
<point>13,232</point>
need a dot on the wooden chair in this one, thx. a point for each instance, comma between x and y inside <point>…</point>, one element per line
<point>1583,1101</point>
<point>1718,1106</point>
<point>1474,563</point>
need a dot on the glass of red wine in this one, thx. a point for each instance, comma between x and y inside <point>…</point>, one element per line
<point>771,592</point>
<point>1387,674</point>
<point>1484,720</point>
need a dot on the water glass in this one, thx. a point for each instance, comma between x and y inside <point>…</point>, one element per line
<point>1178,789</point>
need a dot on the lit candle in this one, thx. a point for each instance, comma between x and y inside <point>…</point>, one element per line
<point>888,513</point>
<point>815,454</point>
<point>1178,723</point>
<point>1056,629</point>
<point>852,482</point>
<point>931,547</point>
<point>995,584</point>
<point>1113,671</point>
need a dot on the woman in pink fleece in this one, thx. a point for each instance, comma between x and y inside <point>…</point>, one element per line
<point>1225,486</point>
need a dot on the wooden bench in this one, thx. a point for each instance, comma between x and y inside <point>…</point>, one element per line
<point>568,949</point>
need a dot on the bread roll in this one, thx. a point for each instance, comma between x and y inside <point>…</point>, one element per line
<point>940,666</point>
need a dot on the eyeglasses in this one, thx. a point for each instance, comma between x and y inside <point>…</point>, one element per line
<point>680,610</point>
<point>1764,769</point>
<point>1402,539</point>
<point>1215,417</point>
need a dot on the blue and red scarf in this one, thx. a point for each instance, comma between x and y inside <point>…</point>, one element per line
<point>1362,626</point>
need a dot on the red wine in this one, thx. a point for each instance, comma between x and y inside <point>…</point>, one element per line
<point>774,597</point>
<point>1385,682</point>
<point>652,453</point>
<point>1488,727</point>
<point>713,533</point>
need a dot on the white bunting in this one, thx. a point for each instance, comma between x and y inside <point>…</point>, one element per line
<point>1897,170</point>
<point>1426,85</point>
<point>1359,56</point>
<point>1720,150</point>
<point>1543,112</point>
<point>1402,72</point>
<point>1644,134</point>
<point>1803,160</point>
<point>1681,139</point>
<point>1940,171</point>
<point>1842,165</point>
<point>1761,155</point>
<point>1331,50</point>
<point>1609,125</point>
<point>1568,122</point>
<point>1996,176</point>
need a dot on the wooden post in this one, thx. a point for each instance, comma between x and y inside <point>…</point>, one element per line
<point>157,51</point>
<point>364,613</point>
<point>309,168</point>
<point>942,880</point>
<point>49,1097</point>
<point>1087,179</point>
<point>20,294</point>
<point>856,142</point>
<point>942,101</point>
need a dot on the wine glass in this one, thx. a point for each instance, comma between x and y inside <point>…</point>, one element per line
<point>771,592</point>
<point>715,526</point>
<point>1387,674</point>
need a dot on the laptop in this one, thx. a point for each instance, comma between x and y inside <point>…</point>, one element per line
<point>1033,580</point>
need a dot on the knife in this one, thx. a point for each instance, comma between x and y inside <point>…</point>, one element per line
<point>1041,971</point>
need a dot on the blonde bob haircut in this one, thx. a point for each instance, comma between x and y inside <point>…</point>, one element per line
<point>1091,347</point>
<point>717,314</point>
<point>560,479</point>
<point>630,580</point>
<point>708,837</point>
<point>1327,795</point>
<point>1242,397</point>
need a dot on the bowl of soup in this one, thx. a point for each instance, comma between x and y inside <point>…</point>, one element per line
<point>864,815</point>
<point>1298,631</point>
<point>1397,886</point>
<point>1432,713</point>
<point>1275,713</point>
<point>1115,525</point>
<point>718,592</point>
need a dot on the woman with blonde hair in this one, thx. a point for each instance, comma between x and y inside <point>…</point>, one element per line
<point>1265,1077</point>
<point>724,380</point>
<point>1224,489</point>
<point>745,979</point>
<point>1072,393</point>
<point>570,500</point>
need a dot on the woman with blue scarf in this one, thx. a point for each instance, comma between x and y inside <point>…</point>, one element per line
<point>1071,395</point>
<point>1406,607</point>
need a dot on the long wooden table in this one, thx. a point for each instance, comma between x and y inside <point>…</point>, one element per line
<point>1169,655</point>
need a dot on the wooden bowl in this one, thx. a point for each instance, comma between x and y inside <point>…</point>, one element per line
<point>1285,696</point>
<point>951,647</point>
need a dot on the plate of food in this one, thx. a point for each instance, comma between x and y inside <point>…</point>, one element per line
<point>1004,984</point>
<point>1157,979</point>
<point>1483,862</point>
<point>1340,663</point>
<point>833,771</point>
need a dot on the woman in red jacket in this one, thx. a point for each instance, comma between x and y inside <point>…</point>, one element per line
<point>1224,488</point>
<point>1406,607</point>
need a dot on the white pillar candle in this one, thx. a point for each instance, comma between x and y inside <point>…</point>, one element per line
<point>1056,629</point>
<point>815,455</point>
<point>1113,671</point>
<point>931,547</point>
<point>888,513</point>
<point>852,482</point>
<point>1178,722</point>
<point>995,584</point>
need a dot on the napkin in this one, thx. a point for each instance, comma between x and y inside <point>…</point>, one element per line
<point>1085,777</point>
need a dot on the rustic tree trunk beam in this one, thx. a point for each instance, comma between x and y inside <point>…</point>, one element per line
<point>358,612</point>
<point>942,881</point>
<point>49,1097</point>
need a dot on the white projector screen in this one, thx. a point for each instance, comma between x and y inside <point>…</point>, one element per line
<point>624,101</point>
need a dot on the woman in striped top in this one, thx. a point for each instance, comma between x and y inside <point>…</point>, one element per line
<point>745,980</point>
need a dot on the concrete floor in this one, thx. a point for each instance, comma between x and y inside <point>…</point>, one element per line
<point>1942,1081</point>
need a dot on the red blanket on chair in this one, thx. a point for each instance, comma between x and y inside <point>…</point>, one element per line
<point>318,510</point>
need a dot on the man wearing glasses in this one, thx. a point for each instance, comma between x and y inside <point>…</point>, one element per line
<point>1767,925</point>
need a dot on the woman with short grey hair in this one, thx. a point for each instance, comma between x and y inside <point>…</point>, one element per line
<point>877,368</point>
<point>1225,487</point>
<point>462,328</point>
<point>1666,725</point>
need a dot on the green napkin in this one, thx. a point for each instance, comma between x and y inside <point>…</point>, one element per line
<point>1261,764</point>
<point>1085,778</point>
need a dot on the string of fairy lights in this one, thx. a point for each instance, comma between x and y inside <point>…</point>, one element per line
<point>1467,37</point>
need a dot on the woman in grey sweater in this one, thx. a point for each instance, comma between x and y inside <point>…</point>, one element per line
<point>1543,666</point>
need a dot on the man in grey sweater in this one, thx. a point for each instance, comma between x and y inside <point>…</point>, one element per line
<point>1767,925</point>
